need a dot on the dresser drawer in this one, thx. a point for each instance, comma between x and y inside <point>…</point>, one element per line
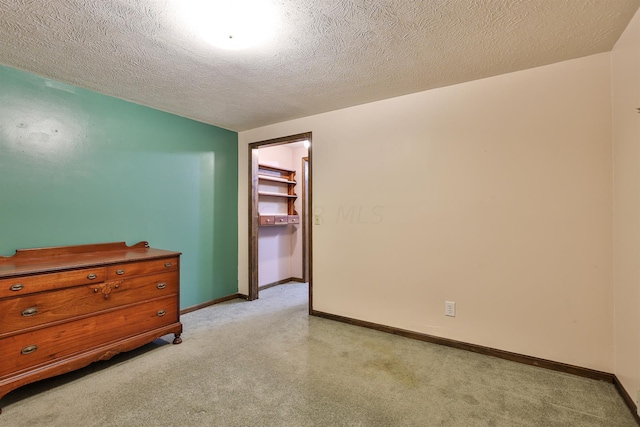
<point>267,219</point>
<point>139,268</point>
<point>38,309</point>
<point>18,286</point>
<point>280,219</point>
<point>45,345</point>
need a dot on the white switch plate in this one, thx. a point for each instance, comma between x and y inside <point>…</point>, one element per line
<point>450,308</point>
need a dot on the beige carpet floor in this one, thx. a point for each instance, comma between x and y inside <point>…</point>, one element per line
<point>267,363</point>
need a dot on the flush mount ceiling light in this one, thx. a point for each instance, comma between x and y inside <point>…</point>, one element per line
<point>232,24</point>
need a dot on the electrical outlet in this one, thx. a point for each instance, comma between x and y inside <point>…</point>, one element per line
<point>450,308</point>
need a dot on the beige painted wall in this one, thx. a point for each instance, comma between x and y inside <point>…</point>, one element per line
<point>298,154</point>
<point>626,219</point>
<point>495,194</point>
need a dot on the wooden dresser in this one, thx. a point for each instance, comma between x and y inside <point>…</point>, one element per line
<point>63,308</point>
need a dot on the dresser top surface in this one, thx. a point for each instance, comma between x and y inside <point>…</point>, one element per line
<point>42,260</point>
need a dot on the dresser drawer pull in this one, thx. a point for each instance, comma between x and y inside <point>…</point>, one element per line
<point>31,311</point>
<point>161,313</point>
<point>120,272</point>
<point>17,287</point>
<point>161,285</point>
<point>92,276</point>
<point>28,350</point>
<point>167,264</point>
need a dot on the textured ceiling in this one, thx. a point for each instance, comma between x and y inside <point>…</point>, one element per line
<point>327,54</point>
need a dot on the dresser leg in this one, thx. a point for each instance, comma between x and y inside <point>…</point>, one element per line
<point>177,339</point>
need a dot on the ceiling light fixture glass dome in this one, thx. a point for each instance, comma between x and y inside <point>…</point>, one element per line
<point>232,24</point>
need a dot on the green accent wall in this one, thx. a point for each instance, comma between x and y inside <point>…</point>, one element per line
<point>78,167</point>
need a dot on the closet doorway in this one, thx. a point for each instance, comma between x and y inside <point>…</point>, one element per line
<point>280,234</point>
